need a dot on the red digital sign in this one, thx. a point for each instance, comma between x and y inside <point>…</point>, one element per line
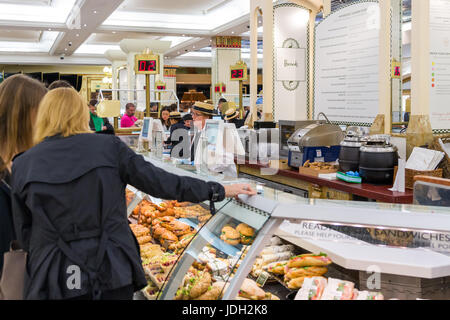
<point>147,65</point>
<point>237,74</point>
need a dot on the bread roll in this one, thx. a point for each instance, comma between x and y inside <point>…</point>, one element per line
<point>296,283</point>
<point>305,272</point>
<point>309,260</point>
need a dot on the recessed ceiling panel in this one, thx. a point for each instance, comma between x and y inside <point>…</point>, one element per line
<point>174,6</point>
<point>115,38</point>
<point>29,2</point>
<point>20,35</point>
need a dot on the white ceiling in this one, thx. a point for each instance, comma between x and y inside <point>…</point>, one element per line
<point>34,30</point>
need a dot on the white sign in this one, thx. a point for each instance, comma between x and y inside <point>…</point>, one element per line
<point>290,85</point>
<point>440,64</point>
<point>291,64</point>
<point>346,64</point>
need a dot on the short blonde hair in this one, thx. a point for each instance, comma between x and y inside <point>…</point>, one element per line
<point>62,111</point>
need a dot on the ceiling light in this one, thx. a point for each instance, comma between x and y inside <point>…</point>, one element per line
<point>95,11</point>
<point>114,32</point>
<point>49,29</point>
<point>232,32</point>
<point>77,34</point>
<point>65,49</point>
<point>85,25</point>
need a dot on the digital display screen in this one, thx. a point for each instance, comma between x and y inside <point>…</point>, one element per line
<point>237,74</point>
<point>145,128</point>
<point>147,65</point>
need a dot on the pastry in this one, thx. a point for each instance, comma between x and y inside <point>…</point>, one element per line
<point>201,285</point>
<point>168,238</point>
<point>158,231</point>
<point>213,293</point>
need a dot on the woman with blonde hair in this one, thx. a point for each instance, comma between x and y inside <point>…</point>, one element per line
<point>69,199</point>
<point>19,99</point>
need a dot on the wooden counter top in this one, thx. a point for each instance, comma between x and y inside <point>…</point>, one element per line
<point>370,191</point>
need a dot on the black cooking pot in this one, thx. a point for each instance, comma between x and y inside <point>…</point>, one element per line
<point>377,162</point>
<point>349,154</point>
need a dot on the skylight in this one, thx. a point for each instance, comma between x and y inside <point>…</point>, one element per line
<point>47,40</point>
<point>216,18</point>
<point>58,12</point>
<point>98,49</point>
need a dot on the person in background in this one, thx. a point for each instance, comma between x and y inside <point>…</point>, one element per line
<point>220,107</point>
<point>153,107</point>
<point>97,124</point>
<point>176,123</point>
<point>59,84</point>
<point>200,113</point>
<point>19,100</point>
<point>61,224</point>
<point>173,107</point>
<point>165,114</point>
<point>128,119</point>
<point>232,116</point>
<point>184,107</point>
<point>188,121</point>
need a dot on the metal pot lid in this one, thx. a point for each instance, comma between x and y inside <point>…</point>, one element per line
<point>378,149</point>
<point>353,144</point>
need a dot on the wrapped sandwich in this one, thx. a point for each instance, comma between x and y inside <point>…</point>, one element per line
<point>312,289</point>
<point>309,260</point>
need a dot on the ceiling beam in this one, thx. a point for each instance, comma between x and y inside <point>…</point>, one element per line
<point>91,14</point>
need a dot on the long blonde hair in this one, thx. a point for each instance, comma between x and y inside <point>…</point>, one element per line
<point>62,111</point>
<point>19,99</point>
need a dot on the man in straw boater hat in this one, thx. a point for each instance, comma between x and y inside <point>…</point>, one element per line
<point>176,123</point>
<point>201,112</point>
<point>232,116</point>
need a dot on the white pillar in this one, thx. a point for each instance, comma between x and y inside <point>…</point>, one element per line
<point>326,8</point>
<point>420,58</point>
<point>385,64</point>
<point>223,57</point>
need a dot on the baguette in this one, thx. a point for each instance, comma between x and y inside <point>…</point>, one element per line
<point>305,272</point>
<point>309,260</point>
<point>296,283</point>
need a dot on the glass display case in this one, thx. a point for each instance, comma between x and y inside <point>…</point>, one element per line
<point>254,248</point>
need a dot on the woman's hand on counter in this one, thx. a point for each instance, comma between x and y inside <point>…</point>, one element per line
<point>233,190</point>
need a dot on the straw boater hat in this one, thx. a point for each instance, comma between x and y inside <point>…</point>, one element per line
<point>205,108</point>
<point>231,113</point>
<point>175,115</point>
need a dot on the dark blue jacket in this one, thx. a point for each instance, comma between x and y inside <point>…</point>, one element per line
<point>68,199</point>
<point>6,223</point>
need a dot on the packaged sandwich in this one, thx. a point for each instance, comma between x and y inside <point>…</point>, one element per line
<point>309,260</point>
<point>250,290</point>
<point>268,258</point>
<point>277,249</point>
<point>312,289</point>
<point>338,290</point>
<point>366,295</point>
